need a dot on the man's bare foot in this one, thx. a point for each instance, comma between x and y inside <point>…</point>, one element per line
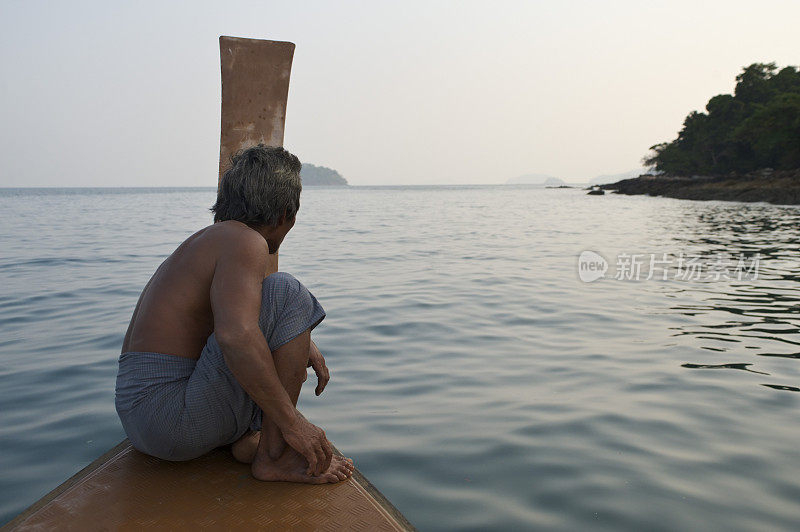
<point>291,466</point>
<point>244,449</point>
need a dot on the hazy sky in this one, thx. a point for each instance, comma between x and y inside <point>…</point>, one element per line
<point>127,94</point>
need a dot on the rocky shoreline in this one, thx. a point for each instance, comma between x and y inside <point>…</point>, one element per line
<point>778,187</point>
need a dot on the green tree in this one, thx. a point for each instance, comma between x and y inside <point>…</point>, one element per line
<point>773,132</point>
<point>756,127</point>
<point>753,83</point>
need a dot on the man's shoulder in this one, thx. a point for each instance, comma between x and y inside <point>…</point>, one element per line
<point>235,237</point>
<point>233,231</point>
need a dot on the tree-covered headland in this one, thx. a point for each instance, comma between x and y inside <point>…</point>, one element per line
<point>757,127</point>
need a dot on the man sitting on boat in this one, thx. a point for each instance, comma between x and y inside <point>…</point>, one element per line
<point>217,349</point>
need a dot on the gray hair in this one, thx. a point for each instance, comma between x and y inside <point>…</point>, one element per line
<point>261,185</point>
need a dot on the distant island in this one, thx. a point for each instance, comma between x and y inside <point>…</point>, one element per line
<point>745,147</point>
<point>312,175</point>
<point>536,179</point>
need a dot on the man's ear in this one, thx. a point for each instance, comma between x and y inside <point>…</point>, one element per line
<point>285,217</point>
<point>282,219</point>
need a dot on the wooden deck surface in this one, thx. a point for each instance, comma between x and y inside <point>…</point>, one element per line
<point>127,490</point>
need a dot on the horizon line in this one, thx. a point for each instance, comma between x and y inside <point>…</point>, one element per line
<point>7,187</point>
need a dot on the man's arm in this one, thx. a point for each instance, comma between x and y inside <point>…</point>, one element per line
<point>236,305</point>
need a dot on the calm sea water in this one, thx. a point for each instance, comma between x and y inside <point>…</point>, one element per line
<point>475,379</point>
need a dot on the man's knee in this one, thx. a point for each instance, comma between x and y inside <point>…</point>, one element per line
<point>282,289</point>
<point>284,300</point>
<point>279,277</point>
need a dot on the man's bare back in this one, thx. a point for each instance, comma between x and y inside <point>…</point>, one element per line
<point>173,314</point>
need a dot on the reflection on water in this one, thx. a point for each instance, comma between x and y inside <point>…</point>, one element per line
<point>760,316</point>
<point>475,379</point>
<point>779,387</point>
<point>723,366</point>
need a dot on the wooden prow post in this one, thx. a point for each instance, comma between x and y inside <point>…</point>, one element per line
<point>255,88</point>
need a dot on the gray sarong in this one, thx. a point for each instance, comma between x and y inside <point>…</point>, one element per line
<point>178,408</point>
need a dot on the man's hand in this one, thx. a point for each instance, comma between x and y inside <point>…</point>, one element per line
<point>310,441</point>
<point>317,361</point>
